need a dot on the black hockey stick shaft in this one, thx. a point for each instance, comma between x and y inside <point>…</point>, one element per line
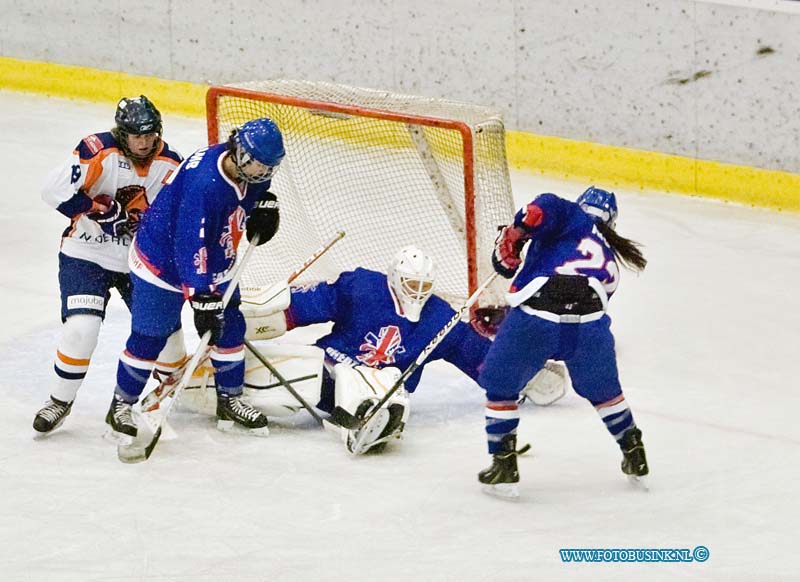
<point>286,384</point>
<point>427,350</point>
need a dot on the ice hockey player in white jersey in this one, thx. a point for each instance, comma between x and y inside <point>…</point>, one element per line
<point>103,189</point>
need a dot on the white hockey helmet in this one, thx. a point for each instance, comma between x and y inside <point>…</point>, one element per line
<point>411,278</point>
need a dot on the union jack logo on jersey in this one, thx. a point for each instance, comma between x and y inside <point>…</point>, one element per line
<point>232,233</point>
<point>380,350</point>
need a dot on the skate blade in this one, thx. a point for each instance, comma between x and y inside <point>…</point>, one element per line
<point>640,482</point>
<point>231,427</point>
<point>508,491</point>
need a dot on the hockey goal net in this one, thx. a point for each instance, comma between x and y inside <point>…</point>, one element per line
<point>388,169</point>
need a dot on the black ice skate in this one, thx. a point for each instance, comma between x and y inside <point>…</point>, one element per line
<point>51,416</point>
<point>123,428</point>
<point>634,461</point>
<point>235,412</point>
<point>502,477</point>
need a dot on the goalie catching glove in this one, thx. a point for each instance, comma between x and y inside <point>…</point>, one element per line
<point>208,314</point>
<point>264,219</point>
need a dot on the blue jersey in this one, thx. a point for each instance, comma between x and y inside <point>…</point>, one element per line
<point>563,241</point>
<point>368,331</point>
<point>188,238</point>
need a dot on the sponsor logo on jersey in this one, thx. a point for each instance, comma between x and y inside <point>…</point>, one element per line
<point>124,164</point>
<point>380,350</point>
<point>86,302</point>
<point>94,143</point>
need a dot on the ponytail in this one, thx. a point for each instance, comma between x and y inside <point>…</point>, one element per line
<point>625,250</point>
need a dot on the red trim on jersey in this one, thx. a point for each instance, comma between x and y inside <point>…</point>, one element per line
<point>503,405</point>
<point>611,402</point>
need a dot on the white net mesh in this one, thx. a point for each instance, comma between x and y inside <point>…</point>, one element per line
<point>390,170</point>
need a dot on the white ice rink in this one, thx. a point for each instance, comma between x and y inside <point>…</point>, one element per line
<point>708,347</point>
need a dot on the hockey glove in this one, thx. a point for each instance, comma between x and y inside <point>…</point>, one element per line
<point>486,320</point>
<point>134,201</point>
<point>208,314</point>
<point>109,214</point>
<point>507,249</point>
<point>264,219</point>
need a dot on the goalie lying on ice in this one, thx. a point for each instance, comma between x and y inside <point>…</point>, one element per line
<point>380,324</point>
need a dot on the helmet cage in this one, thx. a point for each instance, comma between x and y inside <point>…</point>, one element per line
<point>412,278</point>
<point>245,161</point>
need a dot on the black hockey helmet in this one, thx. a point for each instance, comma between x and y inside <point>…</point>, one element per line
<point>137,116</point>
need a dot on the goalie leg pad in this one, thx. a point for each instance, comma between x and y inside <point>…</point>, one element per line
<point>548,385</point>
<point>357,391</point>
<point>263,309</point>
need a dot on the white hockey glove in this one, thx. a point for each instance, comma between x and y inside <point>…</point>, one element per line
<point>547,386</point>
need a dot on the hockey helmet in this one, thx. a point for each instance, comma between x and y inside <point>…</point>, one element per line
<point>411,278</point>
<point>600,204</point>
<point>257,150</point>
<point>137,116</point>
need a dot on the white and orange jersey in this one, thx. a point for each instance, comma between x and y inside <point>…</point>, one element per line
<point>99,166</point>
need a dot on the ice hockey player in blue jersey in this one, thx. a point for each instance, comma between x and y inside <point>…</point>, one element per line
<point>103,188</point>
<point>558,305</point>
<point>185,249</point>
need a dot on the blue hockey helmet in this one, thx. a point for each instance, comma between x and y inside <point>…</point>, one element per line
<point>600,204</point>
<point>258,150</point>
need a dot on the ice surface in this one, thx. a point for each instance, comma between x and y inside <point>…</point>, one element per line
<point>707,340</point>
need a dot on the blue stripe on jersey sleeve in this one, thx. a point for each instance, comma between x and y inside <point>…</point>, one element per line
<point>76,205</point>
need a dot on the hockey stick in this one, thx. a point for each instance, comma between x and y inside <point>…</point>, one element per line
<point>137,454</point>
<point>359,424</point>
<point>166,387</point>
<point>286,384</point>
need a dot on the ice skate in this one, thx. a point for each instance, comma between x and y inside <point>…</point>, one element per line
<point>634,461</point>
<point>122,427</point>
<point>235,413</point>
<point>502,477</point>
<point>51,415</point>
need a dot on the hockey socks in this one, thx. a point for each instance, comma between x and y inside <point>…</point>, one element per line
<point>502,418</point>
<point>616,415</point>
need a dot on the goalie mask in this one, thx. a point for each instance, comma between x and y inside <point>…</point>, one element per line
<point>411,277</point>
<point>137,116</point>
<point>600,204</point>
<point>257,150</point>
